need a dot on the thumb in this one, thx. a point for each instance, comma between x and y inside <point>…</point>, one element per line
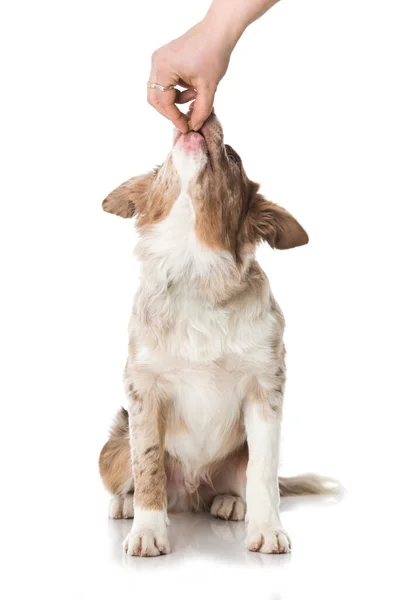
<point>203,104</point>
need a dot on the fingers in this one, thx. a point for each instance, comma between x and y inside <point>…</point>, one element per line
<point>173,113</point>
<point>157,99</point>
<point>185,96</point>
<point>203,105</point>
<point>163,102</point>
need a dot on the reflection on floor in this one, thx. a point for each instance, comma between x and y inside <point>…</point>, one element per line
<point>196,535</point>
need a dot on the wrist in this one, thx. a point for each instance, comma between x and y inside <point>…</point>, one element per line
<point>225,33</point>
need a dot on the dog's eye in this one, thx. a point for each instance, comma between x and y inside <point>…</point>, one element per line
<point>232,156</point>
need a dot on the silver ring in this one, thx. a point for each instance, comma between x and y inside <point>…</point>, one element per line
<point>161,88</point>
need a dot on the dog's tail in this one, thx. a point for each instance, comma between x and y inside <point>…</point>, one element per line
<point>120,425</point>
<point>308,484</point>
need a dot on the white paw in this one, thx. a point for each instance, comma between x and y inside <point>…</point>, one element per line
<point>230,508</point>
<point>148,536</point>
<point>147,542</point>
<point>267,540</point>
<point>121,507</point>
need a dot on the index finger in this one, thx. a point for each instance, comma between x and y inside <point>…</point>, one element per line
<point>203,105</point>
<point>164,102</point>
<point>173,113</point>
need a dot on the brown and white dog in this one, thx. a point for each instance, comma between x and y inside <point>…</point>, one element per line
<point>206,369</point>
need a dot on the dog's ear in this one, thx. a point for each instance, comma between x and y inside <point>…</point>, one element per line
<point>272,223</point>
<point>130,197</point>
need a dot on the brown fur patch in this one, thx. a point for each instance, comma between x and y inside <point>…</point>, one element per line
<point>130,197</point>
<point>161,197</point>
<point>266,221</point>
<point>148,432</point>
<point>150,196</point>
<point>218,193</point>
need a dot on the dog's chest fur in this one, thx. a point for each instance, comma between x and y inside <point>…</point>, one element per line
<point>200,345</point>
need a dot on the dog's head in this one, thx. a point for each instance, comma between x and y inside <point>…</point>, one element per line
<point>229,212</point>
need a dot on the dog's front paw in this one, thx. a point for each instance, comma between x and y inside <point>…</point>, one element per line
<point>146,542</point>
<point>267,540</point>
<point>148,536</point>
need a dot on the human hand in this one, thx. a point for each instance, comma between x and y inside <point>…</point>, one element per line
<point>196,61</point>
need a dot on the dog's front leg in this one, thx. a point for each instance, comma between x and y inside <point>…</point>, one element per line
<point>147,421</point>
<point>262,412</point>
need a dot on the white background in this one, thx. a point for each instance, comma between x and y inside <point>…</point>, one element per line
<point>311,102</point>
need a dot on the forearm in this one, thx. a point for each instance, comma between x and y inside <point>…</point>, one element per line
<point>228,19</point>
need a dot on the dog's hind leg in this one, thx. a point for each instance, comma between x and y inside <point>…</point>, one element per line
<point>121,506</point>
<point>226,497</point>
<point>116,468</point>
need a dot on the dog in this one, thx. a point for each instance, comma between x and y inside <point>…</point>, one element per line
<point>205,374</point>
